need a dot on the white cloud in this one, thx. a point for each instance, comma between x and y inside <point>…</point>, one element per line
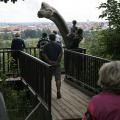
<point>26,11</point>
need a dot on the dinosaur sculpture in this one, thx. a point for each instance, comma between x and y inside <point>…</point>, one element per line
<point>52,14</point>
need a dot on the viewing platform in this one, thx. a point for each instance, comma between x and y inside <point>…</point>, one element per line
<point>72,105</point>
<point>80,71</point>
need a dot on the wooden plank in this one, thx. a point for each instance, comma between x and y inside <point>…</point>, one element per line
<point>67,111</point>
<point>72,105</point>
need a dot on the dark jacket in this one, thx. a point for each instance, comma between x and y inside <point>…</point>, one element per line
<point>17,44</point>
<point>42,42</point>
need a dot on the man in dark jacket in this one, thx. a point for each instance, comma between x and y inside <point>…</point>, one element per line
<point>41,43</point>
<point>17,44</point>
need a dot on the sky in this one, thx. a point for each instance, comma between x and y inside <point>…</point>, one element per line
<point>26,11</point>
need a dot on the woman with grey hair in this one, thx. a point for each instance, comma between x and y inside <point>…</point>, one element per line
<point>106,105</point>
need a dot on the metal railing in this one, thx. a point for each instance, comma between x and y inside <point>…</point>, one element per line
<point>37,75</point>
<point>6,58</point>
<point>80,50</point>
<point>82,69</point>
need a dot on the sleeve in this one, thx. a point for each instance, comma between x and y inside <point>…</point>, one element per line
<point>38,44</point>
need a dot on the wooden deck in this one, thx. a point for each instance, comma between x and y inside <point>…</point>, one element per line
<point>72,105</point>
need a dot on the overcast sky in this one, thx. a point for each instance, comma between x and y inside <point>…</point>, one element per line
<point>26,11</point>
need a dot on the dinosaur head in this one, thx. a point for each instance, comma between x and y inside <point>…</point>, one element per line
<point>46,11</point>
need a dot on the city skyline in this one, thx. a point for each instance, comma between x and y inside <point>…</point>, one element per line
<point>26,11</point>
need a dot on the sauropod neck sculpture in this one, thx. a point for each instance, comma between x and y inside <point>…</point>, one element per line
<point>46,11</point>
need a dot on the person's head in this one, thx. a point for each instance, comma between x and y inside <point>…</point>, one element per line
<point>44,35</point>
<point>74,22</point>
<point>52,37</point>
<point>17,34</point>
<point>109,75</point>
<point>55,32</point>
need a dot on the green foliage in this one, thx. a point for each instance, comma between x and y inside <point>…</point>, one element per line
<point>33,33</point>
<point>95,43</point>
<point>31,42</point>
<point>111,12</point>
<point>103,43</point>
<point>112,41</point>
<point>13,98</point>
<point>29,33</point>
<point>6,35</point>
<point>17,103</point>
<point>31,37</point>
<point>9,0</point>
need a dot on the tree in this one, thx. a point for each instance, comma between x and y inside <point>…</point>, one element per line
<point>9,0</point>
<point>106,43</point>
<point>30,33</point>
<point>111,12</point>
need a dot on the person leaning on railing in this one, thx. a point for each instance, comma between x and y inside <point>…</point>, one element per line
<point>106,105</point>
<point>17,44</point>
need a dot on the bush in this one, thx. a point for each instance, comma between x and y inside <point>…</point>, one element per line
<point>104,43</point>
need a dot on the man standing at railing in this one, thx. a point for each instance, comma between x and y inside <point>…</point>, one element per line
<point>52,53</point>
<point>58,37</point>
<point>41,43</point>
<point>17,44</point>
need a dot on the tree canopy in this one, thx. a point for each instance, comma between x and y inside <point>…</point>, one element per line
<point>105,43</point>
<point>9,0</point>
<point>111,12</point>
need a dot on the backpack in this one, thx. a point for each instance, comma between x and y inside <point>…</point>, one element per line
<point>42,42</point>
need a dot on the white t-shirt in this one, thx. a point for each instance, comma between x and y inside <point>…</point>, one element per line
<point>58,39</point>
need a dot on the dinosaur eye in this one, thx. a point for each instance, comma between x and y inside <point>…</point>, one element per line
<point>43,6</point>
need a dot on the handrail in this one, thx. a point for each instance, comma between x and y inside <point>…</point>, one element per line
<point>37,75</point>
<point>82,69</point>
<point>6,58</point>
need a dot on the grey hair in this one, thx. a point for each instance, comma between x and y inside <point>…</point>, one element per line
<point>109,75</point>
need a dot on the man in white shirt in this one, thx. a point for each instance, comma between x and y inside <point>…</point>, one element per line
<point>58,38</point>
